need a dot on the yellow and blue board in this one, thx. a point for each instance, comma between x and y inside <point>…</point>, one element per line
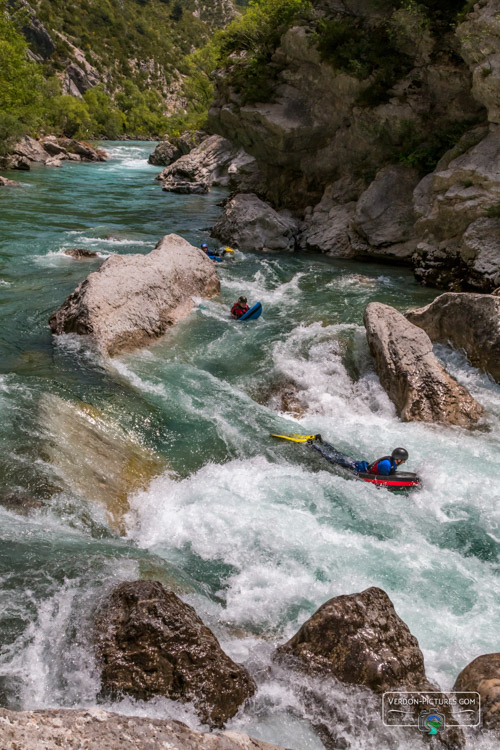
<point>254,312</point>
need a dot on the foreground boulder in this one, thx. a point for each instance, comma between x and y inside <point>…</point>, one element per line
<point>360,640</point>
<point>100,730</point>
<point>151,643</point>
<point>251,224</point>
<point>133,299</point>
<point>468,321</point>
<point>420,388</point>
<point>483,676</point>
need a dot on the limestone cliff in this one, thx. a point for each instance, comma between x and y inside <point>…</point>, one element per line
<point>379,128</point>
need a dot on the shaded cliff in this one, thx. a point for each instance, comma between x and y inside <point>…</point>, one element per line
<point>377,124</point>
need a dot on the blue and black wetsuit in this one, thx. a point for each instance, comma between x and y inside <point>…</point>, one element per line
<point>335,456</point>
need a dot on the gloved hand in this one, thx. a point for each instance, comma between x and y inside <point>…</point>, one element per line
<point>318,438</point>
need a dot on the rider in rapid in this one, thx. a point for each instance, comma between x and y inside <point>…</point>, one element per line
<point>387,465</point>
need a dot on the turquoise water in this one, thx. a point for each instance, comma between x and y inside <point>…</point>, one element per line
<point>255,534</point>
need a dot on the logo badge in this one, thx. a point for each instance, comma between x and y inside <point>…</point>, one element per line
<point>431,722</point>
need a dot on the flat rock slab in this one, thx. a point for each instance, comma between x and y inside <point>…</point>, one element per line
<point>468,321</point>
<point>149,643</point>
<point>100,730</point>
<point>420,388</point>
<point>133,299</point>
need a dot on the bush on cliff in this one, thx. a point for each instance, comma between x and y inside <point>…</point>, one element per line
<point>257,35</point>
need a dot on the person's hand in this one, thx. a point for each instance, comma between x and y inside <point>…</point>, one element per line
<point>318,438</point>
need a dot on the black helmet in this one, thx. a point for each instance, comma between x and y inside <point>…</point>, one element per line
<point>242,299</point>
<point>400,453</point>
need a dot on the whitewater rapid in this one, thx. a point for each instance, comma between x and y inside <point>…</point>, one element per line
<point>254,533</point>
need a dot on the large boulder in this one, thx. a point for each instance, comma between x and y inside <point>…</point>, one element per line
<point>94,729</point>
<point>133,299</point>
<point>149,643</point>
<point>360,640</point>
<point>83,150</point>
<point>170,150</point>
<point>251,224</point>
<point>384,212</point>
<point>327,228</point>
<point>409,371</point>
<point>483,676</point>
<point>205,165</point>
<point>31,149</point>
<point>468,321</point>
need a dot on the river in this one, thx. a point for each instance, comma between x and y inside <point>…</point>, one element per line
<point>255,534</point>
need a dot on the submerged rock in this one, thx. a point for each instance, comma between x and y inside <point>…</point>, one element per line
<point>411,374</point>
<point>4,182</point>
<point>151,643</point>
<point>360,640</point>
<point>251,224</point>
<point>20,502</point>
<point>94,457</point>
<point>94,729</point>
<point>468,321</point>
<point>483,676</point>
<point>133,299</point>
<point>81,253</point>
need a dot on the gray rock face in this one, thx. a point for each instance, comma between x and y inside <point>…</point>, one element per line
<point>94,729</point>
<point>53,148</point>
<point>169,151</point>
<point>205,165</point>
<point>150,643</point>
<point>459,245</point>
<point>83,150</point>
<point>164,154</point>
<point>78,80</point>
<point>468,321</point>
<point>483,676</point>
<point>133,299</point>
<point>410,373</point>
<point>31,149</point>
<point>36,33</point>
<point>251,224</point>
<point>480,41</point>
<point>359,639</point>
<point>327,228</point>
<point>384,212</point>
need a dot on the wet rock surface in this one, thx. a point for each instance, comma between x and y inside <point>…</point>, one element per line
<point>359,639</point>
<point>151,643</point>
<point>468,321</point>
<point>94,729</point>
<point>81,253</point>
<point>483,676</point>
<point>132,300</point>
<point>411,374</point>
